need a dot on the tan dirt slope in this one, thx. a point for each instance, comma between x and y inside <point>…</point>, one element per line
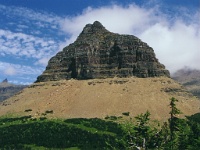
<point>101,97</point>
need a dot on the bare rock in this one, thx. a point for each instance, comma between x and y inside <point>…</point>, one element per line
<point>98,53</point>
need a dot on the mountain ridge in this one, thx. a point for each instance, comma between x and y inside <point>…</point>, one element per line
<point>7,89</point>
<point>190,79</point>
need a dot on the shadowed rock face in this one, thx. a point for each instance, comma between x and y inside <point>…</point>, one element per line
<point>98,53</point>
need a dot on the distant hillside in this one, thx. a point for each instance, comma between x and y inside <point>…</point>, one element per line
<point>7,89</point>
<point>190,78</point>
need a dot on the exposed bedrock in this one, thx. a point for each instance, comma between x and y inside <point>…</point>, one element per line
<point>98,53</point>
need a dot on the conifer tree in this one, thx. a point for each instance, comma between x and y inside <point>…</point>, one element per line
<point>173,123</point>
<point>142,129</point>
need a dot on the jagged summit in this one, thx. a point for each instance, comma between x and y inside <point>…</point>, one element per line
<point>93,28</point>
<point>5,81</point>
<point>99,53</point>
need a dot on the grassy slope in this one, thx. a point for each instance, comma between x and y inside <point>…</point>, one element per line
<point>101,97</point>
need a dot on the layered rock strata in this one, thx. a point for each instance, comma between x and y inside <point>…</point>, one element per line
<point>98,53</point>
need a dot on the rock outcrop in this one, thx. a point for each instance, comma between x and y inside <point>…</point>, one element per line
<point>98,53</point>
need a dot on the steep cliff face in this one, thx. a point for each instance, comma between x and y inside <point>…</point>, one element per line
<point>98,53</point>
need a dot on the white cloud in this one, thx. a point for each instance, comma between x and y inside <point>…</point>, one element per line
<point>177,46</point>
<point>20,70</point>
<point>10,71</point>
<point>21,44</point>
<point>124,20</point>
<point>43,19</point>
<point>33,35</point>
<point>27,36</point>
<point>43,61</point>
<point>175,40</point>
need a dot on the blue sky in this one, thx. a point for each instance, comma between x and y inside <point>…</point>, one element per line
<point>32,31</point>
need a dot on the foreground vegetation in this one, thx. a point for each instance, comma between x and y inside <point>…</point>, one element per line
<point>24,133</point>
<point>110,133</point>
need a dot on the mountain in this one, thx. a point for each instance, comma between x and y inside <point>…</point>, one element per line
<point>98,53</point>
<point>7,89</point>
<point>190,78</point>
<point>102,74</point>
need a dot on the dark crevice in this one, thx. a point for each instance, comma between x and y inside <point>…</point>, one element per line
<point>116,53</point>
<point>72,68</point>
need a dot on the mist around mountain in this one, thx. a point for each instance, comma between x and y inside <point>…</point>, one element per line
<point>7,89</point>
<point>190,78</point>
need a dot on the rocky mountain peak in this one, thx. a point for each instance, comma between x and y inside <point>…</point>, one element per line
<point>99,53</point>
<point>5,81</point>
<point>94,28</point>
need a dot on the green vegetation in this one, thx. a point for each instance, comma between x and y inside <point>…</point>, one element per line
<point>118,133</point>
<point>27,133</point>
<point>176,134</point>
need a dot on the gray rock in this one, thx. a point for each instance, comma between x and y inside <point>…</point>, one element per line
<point>98,53</point>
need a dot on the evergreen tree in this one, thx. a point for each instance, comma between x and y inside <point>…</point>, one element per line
<point>183,133</point>
<point>142,130</point>
<point>173,123</point>
<point>176,134</point>
<point>164,136</point>
<point>194,136</point>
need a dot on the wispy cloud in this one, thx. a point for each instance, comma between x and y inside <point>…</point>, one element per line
<point>40,18</point>
<point>20,44</point>
<point>27,74</point>
<point>31,34</point>
<point>11,69</point>
<point>28,40</point>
